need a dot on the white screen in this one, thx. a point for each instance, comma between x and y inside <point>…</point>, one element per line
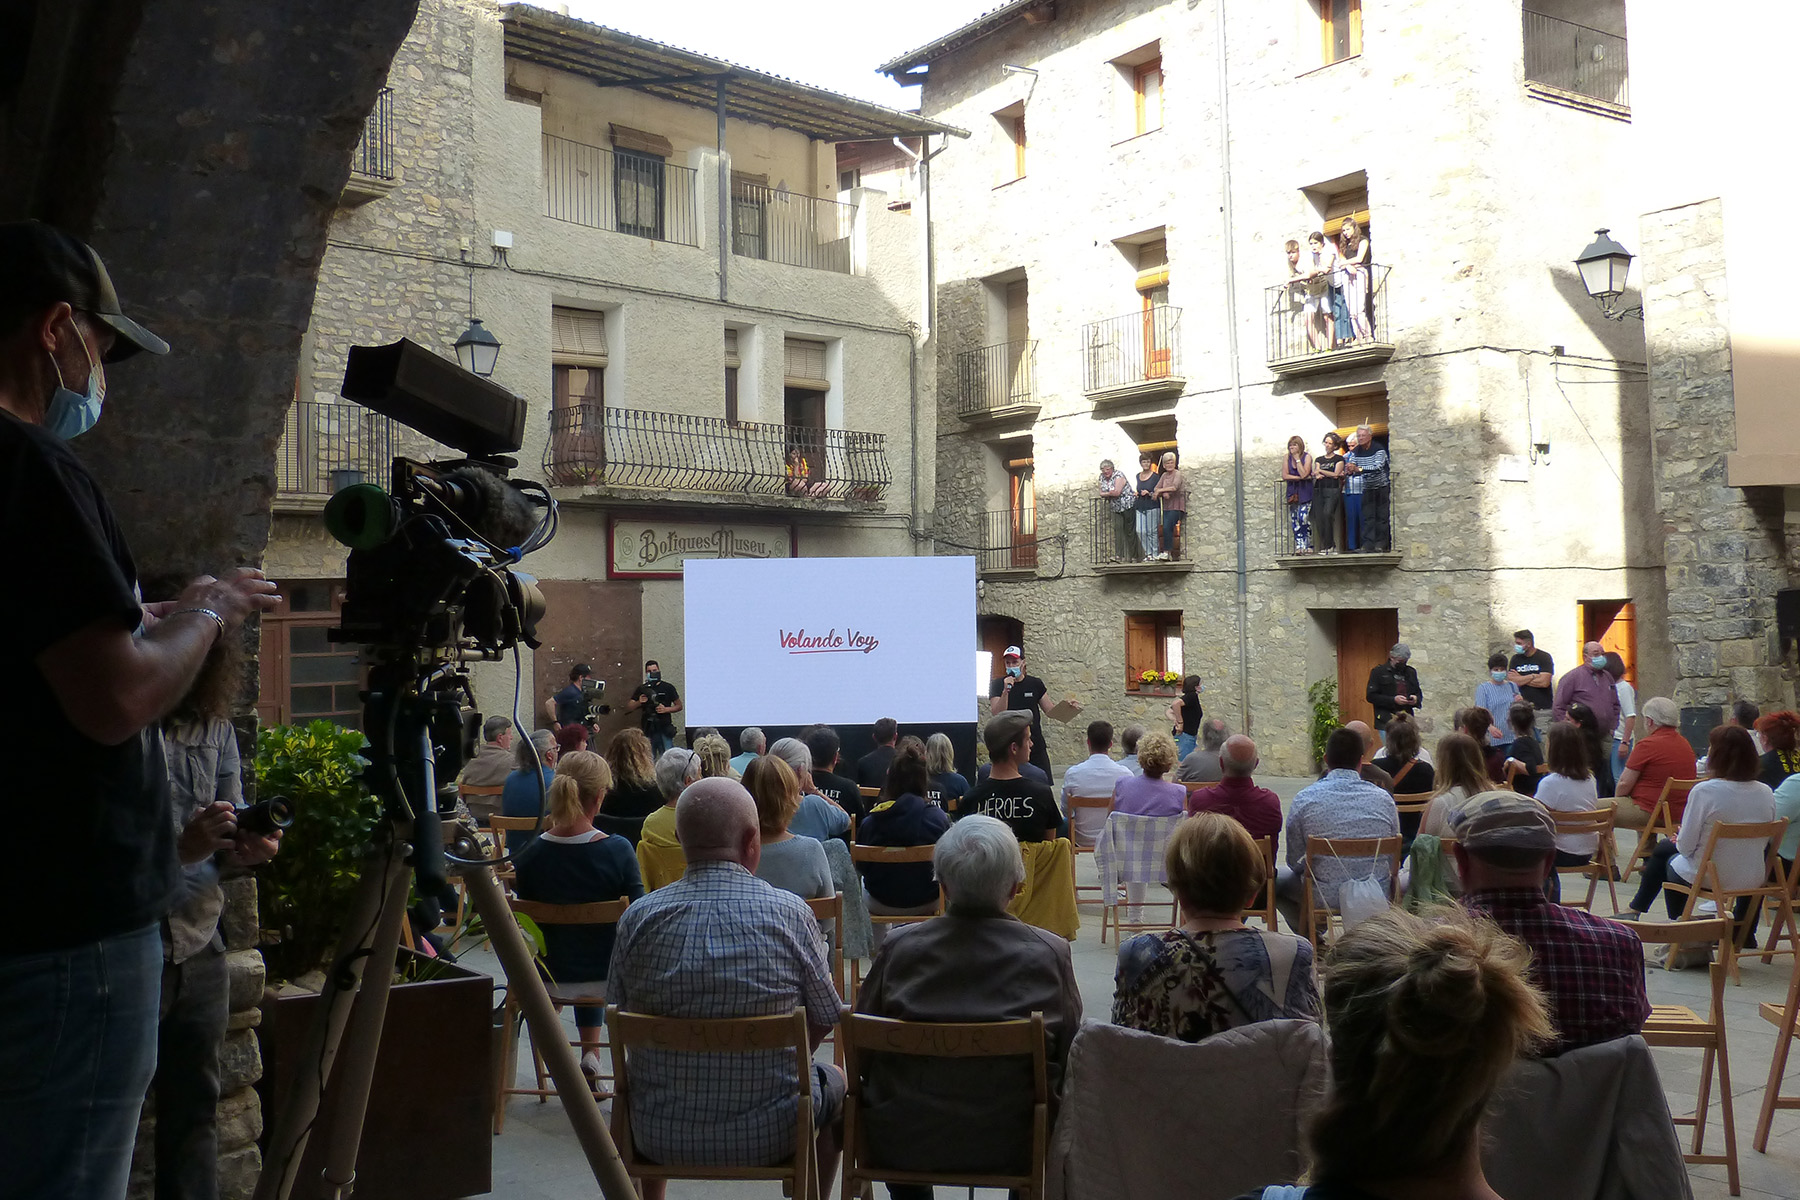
<point>790,641</point>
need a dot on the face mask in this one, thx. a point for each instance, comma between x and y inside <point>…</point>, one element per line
<point>1598,662</point>
<point>72,414</point>
<point>1015,672</point>
<point>1518,648</point>
<point>652,676</point>
<point>1499,676</point>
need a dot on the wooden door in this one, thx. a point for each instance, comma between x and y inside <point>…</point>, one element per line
<point>1364,637</point>
<point>1018,340</point>
<point>996,634</point>
<point>1024,514</point>
<point>599,623</point>
<point>1612,623</point>
<point>1156,336</point>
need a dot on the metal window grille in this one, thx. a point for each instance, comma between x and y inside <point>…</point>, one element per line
<point>786,227</point>
<point>995,378</point>
<point>375,152</point>
<point>626,191</point>
<point>1138,347</point>
<point>1575,58</point>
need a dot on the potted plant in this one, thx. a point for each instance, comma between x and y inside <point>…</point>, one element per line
<point>1323,717</point>
<point>430,1105</point>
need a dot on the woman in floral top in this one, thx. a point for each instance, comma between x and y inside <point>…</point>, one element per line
<point>1213,973</point>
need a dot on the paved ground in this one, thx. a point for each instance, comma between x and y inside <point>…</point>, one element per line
<point>537,1157</point>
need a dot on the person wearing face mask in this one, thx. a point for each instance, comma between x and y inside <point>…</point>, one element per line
<point>1593,685</point>
<point>659,703</point>
<point>1497,694</point>
<point>1394,686</point>
<point>1016,691</point>
<point>87,674</point>
<point>1534,671</point>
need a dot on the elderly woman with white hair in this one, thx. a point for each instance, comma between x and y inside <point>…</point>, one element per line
<point>975,963</point>
<point>1660,755</point>
<point>818,816</point>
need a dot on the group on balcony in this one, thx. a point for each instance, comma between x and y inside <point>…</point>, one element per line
<point>1148,511</point>
<point>1328,297</point>
<point>1349,481</point>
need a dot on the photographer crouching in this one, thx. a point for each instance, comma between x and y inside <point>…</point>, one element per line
<point>87,672</point>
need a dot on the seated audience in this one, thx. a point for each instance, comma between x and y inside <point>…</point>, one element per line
<point>1426,1019</point>
<point>1149,794</point>
<point>975,963</point>
<point>1367,768</point>
<point>1461,773</point>
<point>570,738</point>
<point>715,757</point>
<point>526,792</point>
<point>1202,765</point>
<point>754,744</point>
<point>1257,809</point>
<point>572,862</point>
<point>1128,742</point>
<point>1590,969</point>
<point>1731,792</point>
<point>1779,732</point>
<point>1026,806</point>
<point>1659,755</point>
<point>765,957</point>
<point>1341,805</point>
<point>871,768</point>
<point>674,771</point>
<point>1094,776</point>
<point>1412,775</point>
<point>492,763</point>
<point>1745,715</point>
<point>901,816</point>
<point>1027,770</point>
<point>635,794</point>
<point>816,817</point>
<point>827,751</point>
<point>1593,736</point>
<point>947,786</point>
<point>1787,807</point>
<point>1569,786</point>
<point>792,862</point>
<point>1524,750</point>
<point>1214,972</point>
<point>1490,735</point>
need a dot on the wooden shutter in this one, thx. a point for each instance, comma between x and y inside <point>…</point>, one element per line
<point>1353,203</point>
<point>578,337</point>
<point>1153,265</point>
<point>1141,645</point>
<point>804,361</point>
<point>1370,410</point>
<point>732,358</point>
<point>1147,84</point>
<point>626,138</point>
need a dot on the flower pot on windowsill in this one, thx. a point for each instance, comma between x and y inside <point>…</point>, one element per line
<point>1161,690</point>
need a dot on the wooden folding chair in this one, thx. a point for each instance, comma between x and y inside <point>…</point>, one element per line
<point>1707,886</point>
<point>586,993</point>
<point>868,793</point>
<point>864,1035</point>
<point>1599,867</point>
<point>741,1035</point>
<point>1110,902</point>
<point>477,791</point>
<point>1317,850</point>
<point>1787,917</point>
<point>1091,803</point>
<point>831,908</point>
<point>1786,1020</point>
<point>1676,1026</point>
<point>1662,822</point>
<point>502,826</point>
<point>891,854</point>
<point>1267,911</point>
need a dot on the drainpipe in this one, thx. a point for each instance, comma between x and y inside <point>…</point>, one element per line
<point>927,309</point>
<point>912,426</point>
<point>724,186</point>
<point>1237,394</point>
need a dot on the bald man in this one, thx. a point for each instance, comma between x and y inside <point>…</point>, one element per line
<point>718,943</point>
<point>1593,685</point>
<point>1371,743</point>
<point>1236,795</point>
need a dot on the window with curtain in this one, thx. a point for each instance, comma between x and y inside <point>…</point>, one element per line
<point>638,193</point>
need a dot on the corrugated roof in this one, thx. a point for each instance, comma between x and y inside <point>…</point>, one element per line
<point>613,58</point>
<point>980,27</point>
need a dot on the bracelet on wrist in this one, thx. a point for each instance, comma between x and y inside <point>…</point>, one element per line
<point>205,612</point>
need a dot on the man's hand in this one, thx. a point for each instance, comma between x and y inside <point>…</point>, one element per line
<point>249,849</point>
<point>212,829</point>
<point>234,597</point>
<point>1515,677</point>
<point>1007,685</point>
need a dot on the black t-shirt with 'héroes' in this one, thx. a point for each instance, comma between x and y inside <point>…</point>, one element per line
<point>1028,808</point>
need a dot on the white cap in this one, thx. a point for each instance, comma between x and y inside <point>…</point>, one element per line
<point>1010,652</point>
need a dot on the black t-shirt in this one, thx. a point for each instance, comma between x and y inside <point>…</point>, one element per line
<point>1028,808</point>
<point>1527,751</point>
<point>627,802</point>
<point>842,791</point>
<point>1191,712</point>
<point>1328,462</point>
<point>570,707</point>
<point>1143,501</point>
<point>1420,778</point>
<point>107,807</point>
<point>1027,695</point>
<point>1538,662</point>
<point>872,768</point>
<point>660,692</point>
<point>947,789</point>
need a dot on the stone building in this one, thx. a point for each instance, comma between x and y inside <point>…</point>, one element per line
<point>721,351</point>
<point>1111,279</point>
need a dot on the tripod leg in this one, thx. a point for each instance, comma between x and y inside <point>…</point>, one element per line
<point>547,1032</point>
<point>381,870</point>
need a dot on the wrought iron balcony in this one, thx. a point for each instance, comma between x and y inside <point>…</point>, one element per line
<point>1290,552</point>
<point>1574,58</point>
<point>372,169</point>
<point>624,191</point>
<point>1319,326</point>
<point>996,382</point>
<point>1116,545</point>
<point>326,446</point>
<point>786,227</point>
<point>675,454</point>
<point>1005,541</point>
<point>1134,356</point>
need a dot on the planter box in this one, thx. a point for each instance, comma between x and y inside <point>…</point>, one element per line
<point>428,1134</point>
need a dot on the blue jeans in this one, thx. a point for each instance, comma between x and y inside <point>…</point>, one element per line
<point>1352,520</point>
<point>1185,744</point>
<point>1146,531</point>
<point>659,742</point>
<point>1170,519</point>
<point>77,1050</point>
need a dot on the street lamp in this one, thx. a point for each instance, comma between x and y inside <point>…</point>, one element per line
<point>1604,266</point>
<point>477,349</point>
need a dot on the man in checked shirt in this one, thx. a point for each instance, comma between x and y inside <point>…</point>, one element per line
<point>720,943</point>
<point>1589,968</point>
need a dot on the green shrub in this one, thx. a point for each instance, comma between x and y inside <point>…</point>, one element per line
<point>1322,696</point>
<point>304,893</point>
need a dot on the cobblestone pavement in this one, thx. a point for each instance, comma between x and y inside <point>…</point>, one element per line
<point>537,1157</point>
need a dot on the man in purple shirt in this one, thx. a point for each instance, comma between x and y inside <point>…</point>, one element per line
<point>1256,808</point>
<point>1593,685</point>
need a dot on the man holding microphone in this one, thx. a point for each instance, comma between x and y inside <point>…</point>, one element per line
<point>89,671</point>
<point>1015,691</point>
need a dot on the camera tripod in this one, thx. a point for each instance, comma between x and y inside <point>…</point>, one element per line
<point>353,1010</point>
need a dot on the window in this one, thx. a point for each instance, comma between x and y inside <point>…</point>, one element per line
<point>1153,293</point>
<point>1022,504</point>
<point>732,363</point>
<point>1340,29</point>
<point>578,358</point>
<point>850,180</point>
<point>803,413</point>
<point>638,193</point>
<point>749,215</point>
<point>1011,164</point>
<point>303,675</point>
<point>1152,644</point>
<point>1146,90</point>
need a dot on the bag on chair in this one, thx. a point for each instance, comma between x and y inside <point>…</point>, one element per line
<point>1360,899</point>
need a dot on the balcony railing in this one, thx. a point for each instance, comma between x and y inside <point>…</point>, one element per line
<point>1139,348</point>
<point>1116,540</point>
<point>595,446</point>
<point>622,190</point>
<point>374,158</point>
<point>996,379</point>
<point>1575,58</point>
<point>1006,540</point>
<point>325,446</point>
<point>1345,321</point>
<point>786,227</point>
<point>1287,545</point>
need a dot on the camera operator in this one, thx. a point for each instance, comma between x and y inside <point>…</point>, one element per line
<point>569,706</point>
<point>88,672</point>
<point>660,702</point>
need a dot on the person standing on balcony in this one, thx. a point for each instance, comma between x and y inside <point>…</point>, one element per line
<point>1146,505</point>
<point>1120,497</point>
<point>659,702</point>
<point>1328,494</point>
<point>1171,489</point>
<point>1353,255</point>
<point>1317,265</point>
<point>1290,309</point>
<point>1297,473</point>
<point>1368,467</point>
